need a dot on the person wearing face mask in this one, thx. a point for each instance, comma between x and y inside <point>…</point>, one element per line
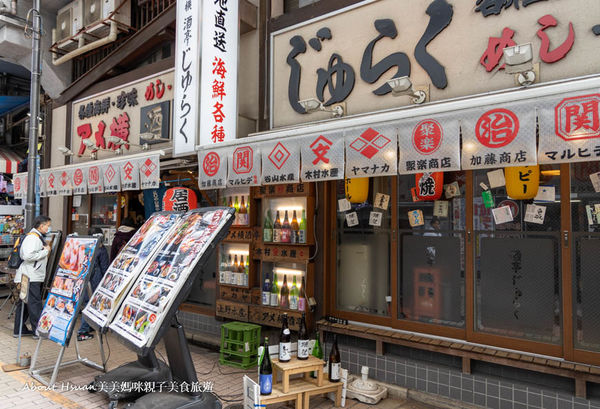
<point>34,253</point>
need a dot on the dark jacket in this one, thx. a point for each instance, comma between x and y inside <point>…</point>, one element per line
<point>100,266</point>
<point>122,236</point>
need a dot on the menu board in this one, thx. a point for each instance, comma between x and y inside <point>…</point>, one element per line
<point>63,302</point>
<point>148,304</point>
<point>126,267</point>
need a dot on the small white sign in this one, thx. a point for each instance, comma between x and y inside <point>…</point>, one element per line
<point>452,190</point>
<point>415,218</point>
<point>352,219</point>
<point>76,201</point>
<point>344,205</point>
<point>502,214</point>
<point>483,186</point>
<point>535,214</point>
<point>496,178</point>
<point>375,219</point>
<point>592,215</point>
<point>545,194</point>
<point>382,201</point>
<point>440,208</point>
<point>595,178</point>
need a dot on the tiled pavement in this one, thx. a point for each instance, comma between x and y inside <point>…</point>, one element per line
<point>227,381</point>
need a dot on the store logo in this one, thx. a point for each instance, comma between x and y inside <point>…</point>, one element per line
<point>51,180</point>
<point>578,117</point>
<point>94,175</point>
<point>427,136</point>
<point>370,143</point>
<point>78,177</point>
<point>148,167</point>
<point>211,164</point>
<point>321,149</point>
<point>243,159</point>
<point>64,178</point>
<point>128,169</point>
<point>279,155</point>
<point>497,128</point>
<point>109,173</point>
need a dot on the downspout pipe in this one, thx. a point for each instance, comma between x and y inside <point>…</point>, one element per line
<point>112,36</point>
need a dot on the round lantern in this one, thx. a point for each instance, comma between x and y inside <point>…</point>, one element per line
<point>522,182</point>
<point>429,186</point>
<point>357,190</point>
<point>179,199</point>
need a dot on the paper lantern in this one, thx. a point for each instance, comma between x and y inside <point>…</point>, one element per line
<point>357,190</point>
<point>522,182</point>
<point>429,186</point>
<point>179,199</point>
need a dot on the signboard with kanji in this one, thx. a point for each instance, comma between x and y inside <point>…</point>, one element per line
<point>322,157</point>
<point>244,166</point>
<point>65,187</point>
<point>79,181</point>
<point>212,169</point>
<point>218,90</point>
<point>124,117</point>
<point>130,175</point>
<point>569,128</point>
<point>112,178</point>
<point>429,144</point>
<point>149,172</point>
<point>280,161</point>
<point>499,136</point>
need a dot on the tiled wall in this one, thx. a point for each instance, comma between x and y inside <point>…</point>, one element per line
<point>448,381</point>
<point>199,323</point>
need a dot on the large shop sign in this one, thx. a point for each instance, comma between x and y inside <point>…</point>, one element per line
<point>492,137</point>
<point>452,47</point>
<point>126,118</point>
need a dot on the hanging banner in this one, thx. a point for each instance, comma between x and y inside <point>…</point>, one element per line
<point>569,129</point>
<point>218,90</point>
<point>187,77</point>
<point>244,166</point>
<point>65,186</point>
<point>130,175</point>
<point>322,157</point>
<point>20,183</point>
<point>371,151</point>
<point>42,183</point>
<point>280,161</point>
<point>499,137</point>
<point>429,144</point>
<point>95,179</point>
<point>52,183</point>
<point>112,179</point>
<point>80,181</point>
<point>212,169</point>
<point>149,172</point>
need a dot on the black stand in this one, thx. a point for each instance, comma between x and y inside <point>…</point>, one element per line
<point>183,371</point>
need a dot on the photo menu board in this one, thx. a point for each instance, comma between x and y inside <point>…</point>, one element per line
<point>148,304</point>
<point>127,266</point>
<point>70,280</point>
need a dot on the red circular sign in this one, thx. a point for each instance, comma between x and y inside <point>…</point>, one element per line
<point>497,128</point>
<point>427,136</point>
<point>152,318</point>
<point>211,164</point>
<point>78,177</point>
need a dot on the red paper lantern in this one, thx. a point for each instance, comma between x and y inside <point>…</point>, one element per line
<point>429,186</point>
<point>180,199</point>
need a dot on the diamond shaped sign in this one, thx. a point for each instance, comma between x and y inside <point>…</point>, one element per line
<point>279,155</point>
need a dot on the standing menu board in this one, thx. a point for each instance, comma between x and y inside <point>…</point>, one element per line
<point>127,266</point>
<point>159,287</point>
<point>70,280</point>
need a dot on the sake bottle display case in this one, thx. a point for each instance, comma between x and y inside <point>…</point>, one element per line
<point>234,264</point>
<point>280,242</point>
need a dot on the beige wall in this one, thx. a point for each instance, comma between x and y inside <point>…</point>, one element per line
<point>59,132</point>
<point>248,82</point>
<point>458,48</point>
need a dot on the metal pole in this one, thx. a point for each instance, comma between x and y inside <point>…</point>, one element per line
<point>34,109</point>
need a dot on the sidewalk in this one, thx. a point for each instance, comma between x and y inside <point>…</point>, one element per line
<point>227,382</point>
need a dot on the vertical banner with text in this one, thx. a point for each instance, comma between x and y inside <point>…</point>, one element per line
<point>218,96</point>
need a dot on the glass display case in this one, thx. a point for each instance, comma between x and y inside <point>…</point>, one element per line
<point>234,264</point>
<point>283,220</point>
<point>283,285</point>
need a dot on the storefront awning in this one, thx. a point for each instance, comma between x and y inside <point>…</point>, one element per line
<point>493,130</point>
<point>10,103</point>
<point>9,161</point>
<point>130,172</point>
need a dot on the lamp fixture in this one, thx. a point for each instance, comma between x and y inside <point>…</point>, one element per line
<point>115,140</point>
<point>519,60</point>
<point>403,86</point>
<point>314,105</point>
<point>65,151</point>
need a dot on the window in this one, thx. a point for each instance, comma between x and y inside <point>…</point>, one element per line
<point>363,253</point>
<point>431,256</point>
